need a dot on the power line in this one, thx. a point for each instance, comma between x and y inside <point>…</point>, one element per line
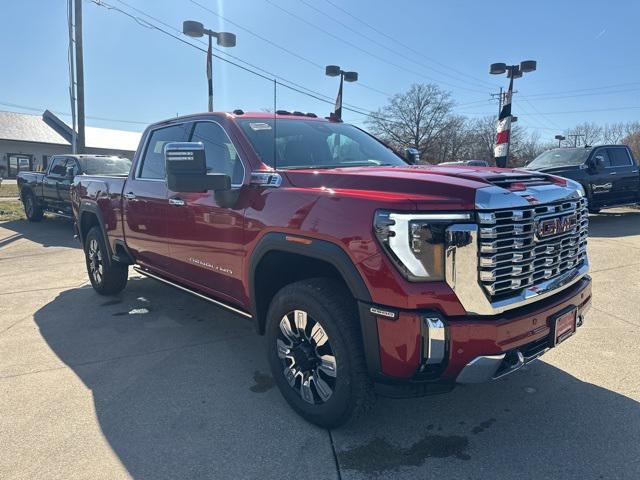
<point>365,51</point>
<point>398,42</point>
<point>65,114</point>
<point>280,47</point>
<point>392,50</point>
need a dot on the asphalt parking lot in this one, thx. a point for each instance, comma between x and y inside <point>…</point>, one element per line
<point>156,384</point>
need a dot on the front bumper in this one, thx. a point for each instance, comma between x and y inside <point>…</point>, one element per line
<point>424,350</point>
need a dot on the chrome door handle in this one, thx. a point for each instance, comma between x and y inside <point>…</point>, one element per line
<point>612,173</point>
<point>177,202</point>
<point>130,196</point>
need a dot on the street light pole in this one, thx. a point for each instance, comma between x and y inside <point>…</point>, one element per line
<point>560,138</point>
<point>224,39</point>
<point>334,71</point>
<point>503,139</point>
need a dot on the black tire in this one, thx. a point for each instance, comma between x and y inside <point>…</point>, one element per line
<point>107,277</point>
<point>32,210</point>
<point>324,303</point>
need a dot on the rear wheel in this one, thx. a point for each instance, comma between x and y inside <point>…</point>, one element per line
<point>32,210</point>
<point>315,352</point>
<point>107,277</point>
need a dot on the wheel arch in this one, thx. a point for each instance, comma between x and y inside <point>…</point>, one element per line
<point>279,259</point>
<point>89,216</point>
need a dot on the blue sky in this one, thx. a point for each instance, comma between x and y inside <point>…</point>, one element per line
<point>138,74</point>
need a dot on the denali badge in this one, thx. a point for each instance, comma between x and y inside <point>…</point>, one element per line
<point>556,226</point>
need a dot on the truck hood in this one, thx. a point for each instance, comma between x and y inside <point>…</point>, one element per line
<point>556,170</point>
<point>450,187</point>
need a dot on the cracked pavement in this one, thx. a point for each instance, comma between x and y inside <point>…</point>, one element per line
<point>154,383</point>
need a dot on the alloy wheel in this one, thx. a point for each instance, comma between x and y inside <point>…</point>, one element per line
<point>308,361</point>
<point>96,266</point>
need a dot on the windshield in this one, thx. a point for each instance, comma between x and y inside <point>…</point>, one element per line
<point>107,166</point>
<point>561,157</point>
<point>314,144</point>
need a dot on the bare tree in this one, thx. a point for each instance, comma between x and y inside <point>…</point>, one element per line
<point>415,119</point>
<point>613,133</point>
<point>587,133</point>
<point>632,138</point>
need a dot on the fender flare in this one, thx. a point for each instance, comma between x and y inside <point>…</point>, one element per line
<point>92,208</point>
<point>323,250</point>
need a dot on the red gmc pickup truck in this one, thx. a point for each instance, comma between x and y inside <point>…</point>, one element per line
<point>367,275</point>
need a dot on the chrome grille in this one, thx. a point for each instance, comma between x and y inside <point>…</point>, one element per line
<point>512,257</point>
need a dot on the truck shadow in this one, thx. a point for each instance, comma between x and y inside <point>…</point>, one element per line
<point>181,390</point>
<point>50,232</point>
<point>615,223</point>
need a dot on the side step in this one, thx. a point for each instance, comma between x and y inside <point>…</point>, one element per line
<point>146,273</point>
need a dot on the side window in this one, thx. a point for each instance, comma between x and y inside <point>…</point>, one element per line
<point>58,167</point>
<point>619,157</point>
<point>153,160</point>
<point>221,155</point>
<point>603,153</point>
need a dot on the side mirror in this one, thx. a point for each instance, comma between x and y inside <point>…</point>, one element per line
<point>186,168</point>
<point>598,163</point>
<point>412,155</point>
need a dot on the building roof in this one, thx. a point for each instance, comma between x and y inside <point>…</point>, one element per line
<point>28,128</point>
<point>48,128</point>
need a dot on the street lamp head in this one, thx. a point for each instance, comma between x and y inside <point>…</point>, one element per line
<point>350,76</point>
<point>560,137</point>
<point>528,66</point>
<point>192,28</point>
<point>497,68</point>
<point>226,39</point>
<point>332,70</point>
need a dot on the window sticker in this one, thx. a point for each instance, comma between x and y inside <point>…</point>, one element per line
<point>257,126</point>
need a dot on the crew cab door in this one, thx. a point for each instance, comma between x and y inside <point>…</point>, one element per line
<point>601,181</point>
<point>145,199</point>
<point>206,239</point>
<point>64,184</point>
<point>624,174</point>
<point>56,173</point>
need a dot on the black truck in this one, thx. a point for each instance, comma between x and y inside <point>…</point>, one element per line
<point>608,173</point>
<point>50,191</point>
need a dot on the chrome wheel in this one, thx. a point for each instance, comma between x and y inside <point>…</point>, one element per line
<point>308,361</point>
<point>96,266</point>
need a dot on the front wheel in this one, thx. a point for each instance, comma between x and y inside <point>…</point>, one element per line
<point>107,277</point>
<point>315,352</point>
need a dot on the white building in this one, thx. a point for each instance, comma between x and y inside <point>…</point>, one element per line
<point>28,141</point>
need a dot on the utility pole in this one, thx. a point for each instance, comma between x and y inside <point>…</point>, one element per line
<point>575,138</point>
<point>79,76</point>
<point>499,95</point>
<point>72,79</point>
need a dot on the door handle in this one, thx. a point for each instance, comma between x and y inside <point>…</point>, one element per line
<point>176,202</point>
<point>612,173</point>
<point>130,196</point>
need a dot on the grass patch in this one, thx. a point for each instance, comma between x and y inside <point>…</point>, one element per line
<point>11,210</point>
<point>8,190</point>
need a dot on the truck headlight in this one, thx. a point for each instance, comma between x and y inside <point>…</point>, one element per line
<point>415,242</point>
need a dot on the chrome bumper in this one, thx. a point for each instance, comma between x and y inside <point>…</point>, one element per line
<point>461,273</point>
<point>492,367</point>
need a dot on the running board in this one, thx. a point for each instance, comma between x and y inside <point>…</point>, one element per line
<point>192,292</point>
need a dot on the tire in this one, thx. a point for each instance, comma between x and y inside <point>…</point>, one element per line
<point>107,277</point>
<point>337,386</point>
<point>32,210</point>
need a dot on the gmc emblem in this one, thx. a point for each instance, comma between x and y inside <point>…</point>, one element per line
<point>556,226</point>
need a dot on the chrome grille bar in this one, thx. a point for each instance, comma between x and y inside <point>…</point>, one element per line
<point>512,257</point>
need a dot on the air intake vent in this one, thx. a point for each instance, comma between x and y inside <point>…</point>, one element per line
<point>520,182</point>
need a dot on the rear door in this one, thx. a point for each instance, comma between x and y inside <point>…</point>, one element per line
<point>145,199</point>
<point>624,174</point>
<point>206,239</point>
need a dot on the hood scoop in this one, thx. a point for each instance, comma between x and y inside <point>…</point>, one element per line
<point>520,182</point>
